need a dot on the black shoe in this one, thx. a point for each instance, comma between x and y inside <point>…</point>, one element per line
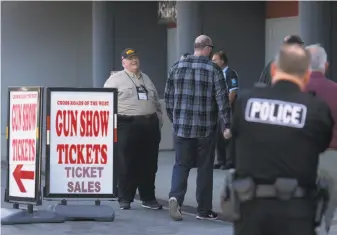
<point>217,165</point>
<point>209,216</point>
<point>153,205</point>
<point>124,205</point>
<point>228,166</point>
<point>223,167</point>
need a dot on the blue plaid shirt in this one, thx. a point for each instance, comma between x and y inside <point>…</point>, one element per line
<point>195,95</point>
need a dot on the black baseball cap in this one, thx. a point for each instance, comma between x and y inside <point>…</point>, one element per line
<point>293,39</point>
<point>128,52</point>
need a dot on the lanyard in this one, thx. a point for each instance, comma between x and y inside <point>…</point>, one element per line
<point>134,82</point>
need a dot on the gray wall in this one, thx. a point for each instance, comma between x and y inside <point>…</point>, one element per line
<point>78,43</point>
<point>137,26</point>
<point>118,25</point>
<point>44,44</point>
<point>238,28</point>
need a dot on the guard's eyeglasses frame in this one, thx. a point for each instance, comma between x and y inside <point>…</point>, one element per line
<point>211,46</point>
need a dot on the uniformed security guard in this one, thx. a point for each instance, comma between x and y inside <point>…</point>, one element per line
<point>280,132</point>
<point>139,124</point>
<point>225,148</point>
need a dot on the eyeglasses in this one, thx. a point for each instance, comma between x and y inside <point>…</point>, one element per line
<point>211,46</point>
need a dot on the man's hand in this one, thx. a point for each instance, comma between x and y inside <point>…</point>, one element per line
<point>227,134</point>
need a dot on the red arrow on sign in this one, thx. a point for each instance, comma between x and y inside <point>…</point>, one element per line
<point>22,175</point>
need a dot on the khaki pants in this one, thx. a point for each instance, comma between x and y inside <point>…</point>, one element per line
<point>328,170</point>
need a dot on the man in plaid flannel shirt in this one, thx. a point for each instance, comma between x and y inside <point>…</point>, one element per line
<point>195,95</point>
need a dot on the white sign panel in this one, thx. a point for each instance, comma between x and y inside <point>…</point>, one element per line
<point>22,131</point>
<point>81,142</point>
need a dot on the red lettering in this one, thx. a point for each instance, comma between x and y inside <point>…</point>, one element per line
<point>94,154</point>
<point>104,150</point>
<point>92,123</point>
<point>24,117</point>
<point>16,117</point>
<point>23,149</point>
<point>103,103</point>
<point>105,122</point>
<point>68,153</point>
<point>66,122</point>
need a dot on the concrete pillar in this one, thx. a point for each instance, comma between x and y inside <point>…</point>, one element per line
<point>318,20</point>
<point>102,25</point>
<point>172,47</point>
<point>188,25</point>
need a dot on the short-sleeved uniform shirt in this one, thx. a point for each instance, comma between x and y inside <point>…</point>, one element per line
<point>129,102</point>
<point>232,79</point>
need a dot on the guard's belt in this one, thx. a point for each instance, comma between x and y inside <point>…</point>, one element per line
<point>266,191</point>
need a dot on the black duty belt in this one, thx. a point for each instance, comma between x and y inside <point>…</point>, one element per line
<point>269,191</point>
<point>283,189</point>
<point>131,118</point>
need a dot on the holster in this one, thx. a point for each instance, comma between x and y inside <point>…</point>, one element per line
<point>321,201</point>
<point>285,188</point>
<point>230,203</point>
<point>244,189</point>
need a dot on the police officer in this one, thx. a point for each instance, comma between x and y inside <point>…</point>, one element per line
<point>265,76</point>
<point>225,148</point>
<point>280,132</point>
<point>139,123</point>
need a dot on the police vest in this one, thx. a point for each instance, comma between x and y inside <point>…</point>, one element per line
<point>275,112</point>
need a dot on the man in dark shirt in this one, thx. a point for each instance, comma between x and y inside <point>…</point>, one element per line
<point>224,148</point>
<point>195,97</point>
<point>280,132</point>
<point>265,76</point>
<point>327,91</point>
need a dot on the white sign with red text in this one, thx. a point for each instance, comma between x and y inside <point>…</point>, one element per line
<point>81,142</point>
<point>22,132</point>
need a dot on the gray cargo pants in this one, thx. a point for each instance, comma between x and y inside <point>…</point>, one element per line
<point>328,170</point>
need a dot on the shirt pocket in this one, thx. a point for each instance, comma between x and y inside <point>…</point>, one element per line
<point>126,93</point>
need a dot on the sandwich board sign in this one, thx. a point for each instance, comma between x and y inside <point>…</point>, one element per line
<point>80,150</point>
<point>81,143</point>
<point>23,134</point>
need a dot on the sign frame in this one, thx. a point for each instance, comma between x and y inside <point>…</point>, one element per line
<point>37,200</point>
<point>46,189</point>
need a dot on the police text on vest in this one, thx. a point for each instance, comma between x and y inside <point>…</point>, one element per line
<point>276,112</point>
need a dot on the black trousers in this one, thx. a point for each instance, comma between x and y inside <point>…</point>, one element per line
<point>190,153</point>
<point>138,146</point>
<point>276,217</point>
<point>225,149</point>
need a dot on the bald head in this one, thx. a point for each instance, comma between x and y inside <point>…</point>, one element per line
<point>293,60</point>
<point>203,46</point>
<point>202,41</point>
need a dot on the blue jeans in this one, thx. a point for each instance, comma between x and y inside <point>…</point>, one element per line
<point>190,153</point>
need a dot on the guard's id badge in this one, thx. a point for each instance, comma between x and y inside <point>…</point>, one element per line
<point>142,93</point>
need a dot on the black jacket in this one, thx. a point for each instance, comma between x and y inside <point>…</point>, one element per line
<point>265,76</point>
<point>279,132</point>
